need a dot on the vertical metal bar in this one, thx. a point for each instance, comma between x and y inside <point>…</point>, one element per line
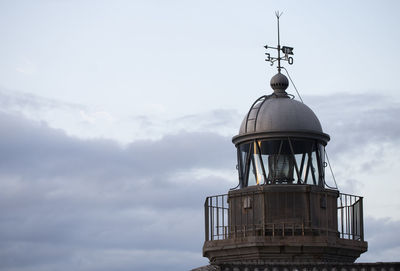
<point>354,222</point>
<point>279,45</point>
<point>223,217</point>
<point>354,213</point>
<point>361,219</point>
<point>303,158</point>
<point>347,217</point>
<point>212,219</point>
<point>341,212</point>
<point>217,213</point>
<point>357,221</point>
<point>206,218</point>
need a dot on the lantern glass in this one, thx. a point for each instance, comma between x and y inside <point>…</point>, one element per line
<point>281,161</point>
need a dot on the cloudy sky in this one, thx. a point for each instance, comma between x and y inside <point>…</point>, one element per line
<point>116,119</point>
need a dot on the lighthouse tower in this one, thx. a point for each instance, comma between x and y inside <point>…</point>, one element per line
<point>282,210</point>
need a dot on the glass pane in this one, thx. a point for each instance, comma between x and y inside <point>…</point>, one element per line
<point>276,163</point>
<point>257,163</point>
<point>301,164</point>
<point>244,150</point>
<point>266,169</point>
<point>314,168</point>
<point>252,172</point>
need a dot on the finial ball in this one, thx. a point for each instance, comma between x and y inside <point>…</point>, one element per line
<point>279,83</point>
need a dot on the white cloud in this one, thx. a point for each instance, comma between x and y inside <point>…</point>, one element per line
<point>97,116</point>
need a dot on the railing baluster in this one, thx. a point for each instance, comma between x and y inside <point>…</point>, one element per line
<point>211,219</point>
<point>217,213</point>
<point>341,212</point>
<point>206,220</point>
<point>223,214</point>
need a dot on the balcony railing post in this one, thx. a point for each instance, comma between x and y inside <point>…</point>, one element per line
<point>341,215</point>
<point>211,219</point>
<point>361,219</point>
<point>223,215</point>
<point>206,220</point>
<point>217,212</point>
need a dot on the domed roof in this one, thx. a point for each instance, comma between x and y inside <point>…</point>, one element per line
<point>278,115</point>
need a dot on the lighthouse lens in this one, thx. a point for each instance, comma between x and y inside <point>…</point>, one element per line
<point>280,168</point>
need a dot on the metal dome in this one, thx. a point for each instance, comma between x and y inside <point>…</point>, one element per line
<point>278,115</point>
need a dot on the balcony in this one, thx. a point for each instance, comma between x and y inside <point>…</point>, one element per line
<point>219,224</point>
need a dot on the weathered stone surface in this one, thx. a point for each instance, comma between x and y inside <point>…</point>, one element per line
<point>380,266</point>
<point>208,268</point>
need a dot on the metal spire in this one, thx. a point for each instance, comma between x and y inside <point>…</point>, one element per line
<point>285,49</point>
<point>279,41</point>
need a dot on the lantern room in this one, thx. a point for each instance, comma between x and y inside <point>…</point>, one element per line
<point>280,141</point>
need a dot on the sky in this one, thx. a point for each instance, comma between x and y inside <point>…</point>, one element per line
<point>116,119</point>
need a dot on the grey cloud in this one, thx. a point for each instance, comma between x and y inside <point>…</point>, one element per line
<point>361,119</point>
<point>221,121</point>
<point>35,150</point>
<point>383,240</point>
<point>360,126</point>
<point>364,131</point>
<point>212,120</point>
<point>16,100</point>
<point>65,195</point>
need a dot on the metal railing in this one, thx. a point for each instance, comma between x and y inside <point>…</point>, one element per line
<point>217,226</point>
<point>216,217</point>
<point>350,217</point>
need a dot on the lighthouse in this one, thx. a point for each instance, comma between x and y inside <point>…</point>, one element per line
<point>282,210</point>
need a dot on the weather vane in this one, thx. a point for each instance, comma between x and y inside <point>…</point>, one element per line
<point>285,50</point>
